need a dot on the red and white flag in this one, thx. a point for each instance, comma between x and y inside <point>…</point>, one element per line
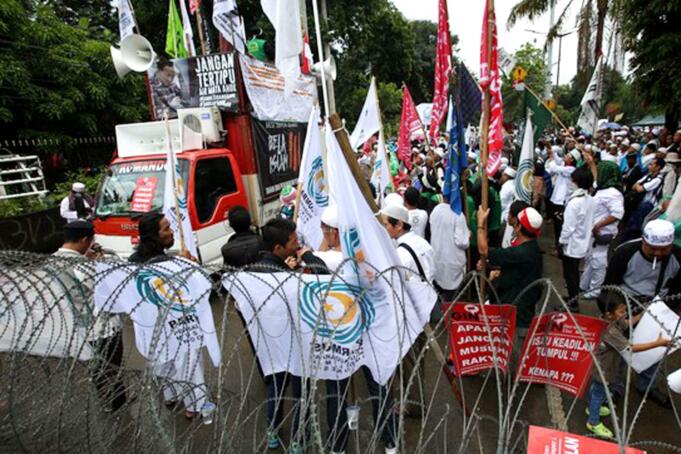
<point>409,125</point>
<point>194,6</point>
<point>489,80</point>
<point>443,69</point>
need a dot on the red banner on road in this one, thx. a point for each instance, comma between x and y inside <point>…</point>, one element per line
<point>548,441</point>
<point>558,354</point>
<point>480,336</point>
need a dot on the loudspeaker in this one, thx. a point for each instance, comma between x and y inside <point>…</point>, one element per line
<point>135,54</point>
<point>329,68</point>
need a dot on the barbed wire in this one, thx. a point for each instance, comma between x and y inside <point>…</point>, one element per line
<point>75,376</point>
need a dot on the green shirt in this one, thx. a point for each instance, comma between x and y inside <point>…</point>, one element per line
<point>520,266</point>
<point>494,220</point>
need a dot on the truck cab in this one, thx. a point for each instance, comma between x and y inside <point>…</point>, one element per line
<point>135,183</point>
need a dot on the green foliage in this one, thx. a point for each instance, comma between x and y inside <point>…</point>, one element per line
<point>651,29</point>
<point>56,75</point>
<point>532,59</point>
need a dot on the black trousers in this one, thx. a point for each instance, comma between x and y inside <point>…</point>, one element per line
<point>108,374</point>
<point>557,215</point>
<point>571,276</point>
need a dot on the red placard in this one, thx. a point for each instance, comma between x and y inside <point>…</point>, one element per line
<point>548,441</point>
<point>558,354</point>
<point>142,198</point>
<point>479,333</point>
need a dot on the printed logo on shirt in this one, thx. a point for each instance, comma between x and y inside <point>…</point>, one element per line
<point>338,311</point>
<point>164,291</point>
<point>316,183</point>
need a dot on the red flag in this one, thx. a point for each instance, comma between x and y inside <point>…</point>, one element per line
<point>194,5</point>
<point>489,80</point>
<point>409,125</point>
<point>443,69</point>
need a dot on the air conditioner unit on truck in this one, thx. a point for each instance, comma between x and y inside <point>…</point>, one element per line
<point>241,151</point>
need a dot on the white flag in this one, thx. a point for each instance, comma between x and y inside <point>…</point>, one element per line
<point>588,118</point>
<point>285,17</point>
<point>314,193</point>
<point>167,302</point>
<point>380,177</point>
<point>227,20</point>
<point>398,315</point>
<point>523,180</point>
<point>175,201</point>
<point>187,33</point>
<point>450,116</point>
<point>369,122</point>
<point>126,20</point>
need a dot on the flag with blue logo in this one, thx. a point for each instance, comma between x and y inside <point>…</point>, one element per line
<point>456,162</point>
<point>523,179</point>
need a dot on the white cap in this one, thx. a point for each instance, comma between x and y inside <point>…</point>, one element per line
<point>576,155</point>
<point>78,187</point>
<point>509,171</point>
<point>659,233</point>
<point>662,150</point>
<point>636,146</point>
<point>626,142</point>
<point>330,216</point>
<point>440,152</point>
<point>393,199</point>
<point>471,155</point>
<point>531,220</point>
<point>395,211</point>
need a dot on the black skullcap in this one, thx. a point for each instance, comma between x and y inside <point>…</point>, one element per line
<point>149,225</point>
<point>75,230</point>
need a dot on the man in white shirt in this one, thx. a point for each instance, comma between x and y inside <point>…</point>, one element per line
<point>415,253</point>
<point>449,239</point>
<point>507,190</point>
<point>330,250</point>
<point>575,236</point>
<point>560,171</point>
<point>104,330</point>
<point>77,205</point>
<point>418,219</point>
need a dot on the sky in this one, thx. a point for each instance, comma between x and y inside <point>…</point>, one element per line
<point>465,20</point>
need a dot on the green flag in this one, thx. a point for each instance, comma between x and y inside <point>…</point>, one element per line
<point>541,117</point>
<point>174,38</point>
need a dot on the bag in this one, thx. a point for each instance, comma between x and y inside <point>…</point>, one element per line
<point>602,240</point>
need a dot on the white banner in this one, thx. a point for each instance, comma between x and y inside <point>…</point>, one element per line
<point>588,118</point>
<point>314,193</point>
<point>285,17</point>
<point>369,122</point>
<point>126,20</point>
<point>187,32</point>
<point>175,202</point>
<point>523,180</point>
<point>265,88</point>
<point>39,317</point>
<point>168,304</point>
<point>658,319</point>
<point>231,26</point>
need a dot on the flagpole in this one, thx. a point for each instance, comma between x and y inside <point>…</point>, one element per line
<point>199,28</point>
<point>553,114</point>
<point>484,139</point>
<point>320,54</point>
<point>171,11</point>
<point>381,135</point>
<point>171,166</point>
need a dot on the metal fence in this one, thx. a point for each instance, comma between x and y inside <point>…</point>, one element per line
<point>60,393</point>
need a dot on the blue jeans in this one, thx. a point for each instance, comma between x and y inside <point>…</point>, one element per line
<point>276,389</point>
<point>596,398</point>
<point>336,417</point>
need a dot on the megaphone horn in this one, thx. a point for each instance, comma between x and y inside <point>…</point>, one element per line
<point>329,68</point>
<point>120,66</point>
<point>135,54</point>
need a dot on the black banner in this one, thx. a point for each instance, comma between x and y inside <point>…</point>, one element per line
<point>279,146</point>
<point>203,81</point>
<point>35,232</point>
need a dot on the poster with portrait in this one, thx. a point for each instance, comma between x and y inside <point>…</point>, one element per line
<point>279,149</point>
<point>203,81</point>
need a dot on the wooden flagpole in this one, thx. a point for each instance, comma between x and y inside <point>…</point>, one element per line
<point>349,155</point>
<point>484,139</point>
<point>381,136</point>
<point>199,29</point>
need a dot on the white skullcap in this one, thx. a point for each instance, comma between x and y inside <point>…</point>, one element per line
<point>531,220</point>
<point>78,187</point>
<point>509,171</point>
<point>393,199</point>
<point>659,233</point>
<point>330,216</point>
<point>576,155</point>
<point>395,211</point>
<point>440,152</point>
<point>662,150</point>
<point>636,146</point>
<point>471,155</point>
<point>556,148</point>
<point>626,142</point>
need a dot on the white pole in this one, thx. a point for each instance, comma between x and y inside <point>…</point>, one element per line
<point>549,51</point>
<point>320,53</point>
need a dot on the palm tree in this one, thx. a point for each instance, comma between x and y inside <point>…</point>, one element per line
<point>603,8</point>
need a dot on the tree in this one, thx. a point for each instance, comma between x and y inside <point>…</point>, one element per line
<point>57,80</point>
<point>531,59</point>
<point>651,33</point>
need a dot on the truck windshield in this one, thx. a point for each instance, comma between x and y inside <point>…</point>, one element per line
<point>135,187</point>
